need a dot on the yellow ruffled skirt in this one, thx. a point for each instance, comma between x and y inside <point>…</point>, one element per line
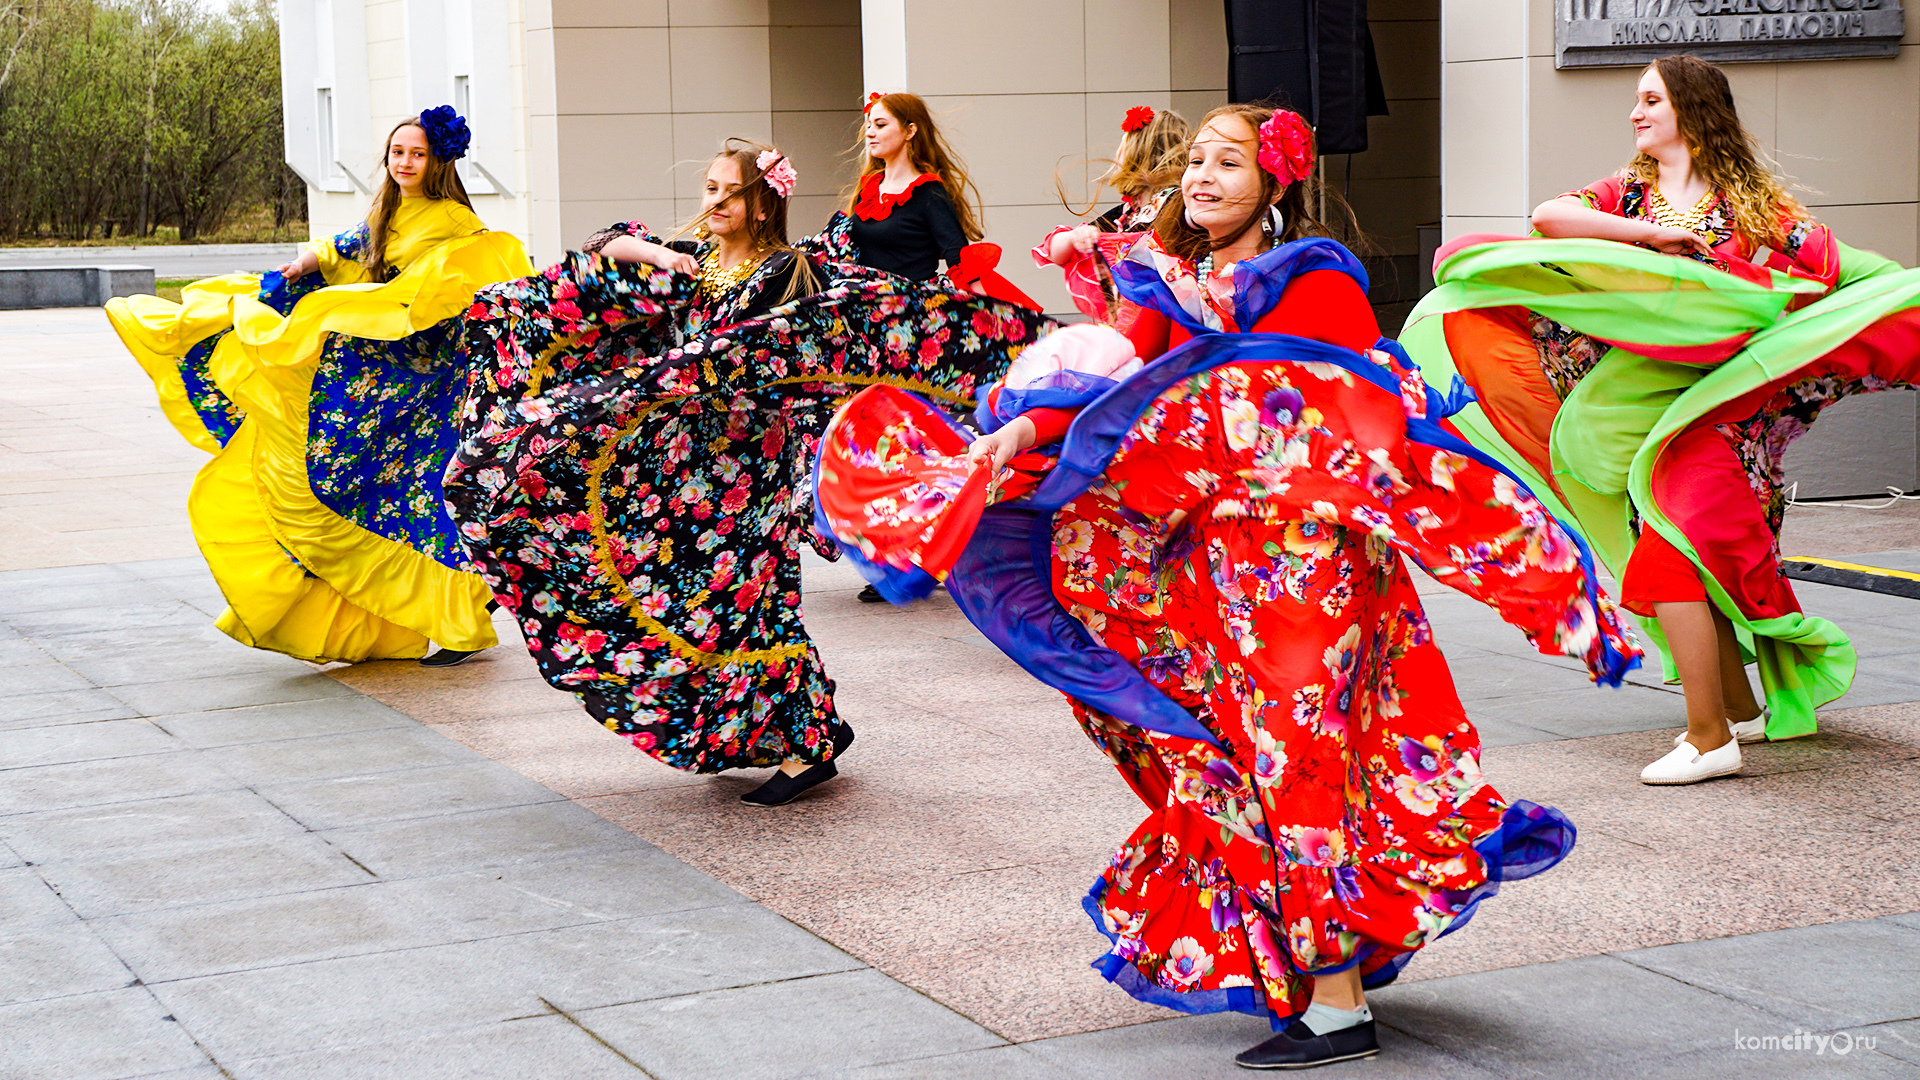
<point>298,577</point>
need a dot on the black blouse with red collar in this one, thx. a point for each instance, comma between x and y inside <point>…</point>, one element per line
<point>907,232</point>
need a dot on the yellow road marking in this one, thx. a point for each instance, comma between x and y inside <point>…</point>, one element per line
<point>1876,571</point>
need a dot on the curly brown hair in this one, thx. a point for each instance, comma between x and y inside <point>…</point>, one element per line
<point>1300,202</point>
<point>1724,152</point>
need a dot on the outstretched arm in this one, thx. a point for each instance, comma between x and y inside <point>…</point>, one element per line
<point>635,250</point>
<point>1567,217</point>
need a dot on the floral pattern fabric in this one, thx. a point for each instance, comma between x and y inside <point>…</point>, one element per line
<point>1224,599</point>
<point>638,504</point>
<point>380,435</point>
<point>1244,550</point>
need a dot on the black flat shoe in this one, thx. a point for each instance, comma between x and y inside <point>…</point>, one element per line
<point>1299,1048</point>
<point>781,789</point>
<point>449,657</point>
<point>871,595</point>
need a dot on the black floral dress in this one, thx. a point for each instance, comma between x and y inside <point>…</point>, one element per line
<point>636,478</point>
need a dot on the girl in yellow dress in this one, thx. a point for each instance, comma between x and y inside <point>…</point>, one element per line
<point>326,391</point>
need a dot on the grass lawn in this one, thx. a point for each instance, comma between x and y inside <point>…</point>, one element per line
<point>253,226</point>
<point>169,288</point>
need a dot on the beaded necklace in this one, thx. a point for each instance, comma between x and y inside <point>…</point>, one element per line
<point>1692,220</point>
<point>717,282</point>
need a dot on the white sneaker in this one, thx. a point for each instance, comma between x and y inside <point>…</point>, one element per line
<point>1747,731</point>
<point>1685,765</point>
<point>1754,730</point>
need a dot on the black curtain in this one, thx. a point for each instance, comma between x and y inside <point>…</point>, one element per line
<point>1312,56</point>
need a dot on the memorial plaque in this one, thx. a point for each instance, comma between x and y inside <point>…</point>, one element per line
<point>1629,33</point>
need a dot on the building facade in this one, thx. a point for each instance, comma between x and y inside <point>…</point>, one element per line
<point>585,112</point>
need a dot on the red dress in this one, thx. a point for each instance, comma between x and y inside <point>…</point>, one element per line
<point>1319,804</point>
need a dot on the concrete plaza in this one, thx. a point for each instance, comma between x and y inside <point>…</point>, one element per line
<point>216,862</point>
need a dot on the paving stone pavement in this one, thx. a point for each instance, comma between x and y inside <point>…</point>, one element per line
<point>222,863</point>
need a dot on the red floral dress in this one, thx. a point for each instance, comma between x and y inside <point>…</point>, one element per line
<point>1318,802</point>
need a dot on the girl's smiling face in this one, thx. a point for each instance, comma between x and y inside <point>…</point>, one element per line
<point>407,157</point>
<point>1656,127</point>
<point>1222,186</point>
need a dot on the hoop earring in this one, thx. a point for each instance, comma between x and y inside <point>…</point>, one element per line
<point>1276,223</point>
<point>1186,215</point>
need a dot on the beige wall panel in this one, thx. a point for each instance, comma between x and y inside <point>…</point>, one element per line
<point>998,46</point>
<point>542,98</point>
<point>1197,46</point>
<point>579,220</point>
<point>819,144</point>
<point>543,139</point>
<point>1391,209</point>
<point>1016,229</point>
<point>1580,130</point>
<point>697,137</point>
<point>814,67</point>
<point>599,13</point>
<point>1081,166</point>
<point>720,68</point>
<point>386,21</point>
<point>1127,45</point>
<point>1887,228</point>
<point>1483,165</point>
<point>1404,143</point>
<point>1484,29</point>
<point>1756,96</point>
<point>1409,55</point>
<point>614,158</point>
<point>330,213</point>
<point>537,13</point>
<point>813,13</point>
<point>1194,104</point>
<point>809,214</point>
<point>500,215</point>
<point>1539,27</point>
<point>610,70</point>
<point>1009,168</point>
<point>717,12</point>
<point>1858,146</point>
<point>1455,226</point>
<point>387,58</point>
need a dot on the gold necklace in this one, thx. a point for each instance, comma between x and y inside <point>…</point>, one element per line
<point>1692,220</point>
<point>717,281</point>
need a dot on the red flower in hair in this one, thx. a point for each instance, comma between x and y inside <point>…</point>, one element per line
<point>873,98</point>
<point>1137,117</point>
<point>1286,146</point>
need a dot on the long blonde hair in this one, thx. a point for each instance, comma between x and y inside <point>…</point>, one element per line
<point>441,181</point>
<point>1724,152</point>
<point>928,152</point>
<point>1150,159</point>
<point>757,198</point>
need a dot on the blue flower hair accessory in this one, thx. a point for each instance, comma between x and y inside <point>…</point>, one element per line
<point>447,134</point>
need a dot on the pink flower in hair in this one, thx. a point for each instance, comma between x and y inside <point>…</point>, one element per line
<point>1286,146</point>
<point>777,171</point>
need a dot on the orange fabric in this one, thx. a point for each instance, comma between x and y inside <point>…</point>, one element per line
<point>1493,348</point>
